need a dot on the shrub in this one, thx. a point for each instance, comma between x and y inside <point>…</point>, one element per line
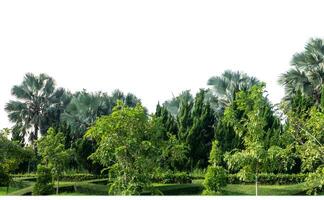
<point>315,182</point>
<point>4,178</point>
<point>79,177</point>
<point>44,185</point>
<point>215,179</point>
<point>30,175</point>
<point>198,173</point>
<point>171,177</point>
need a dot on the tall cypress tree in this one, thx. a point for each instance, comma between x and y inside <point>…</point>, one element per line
<point>201,133</point>
<point>184,119</point>
<point>168,121</point>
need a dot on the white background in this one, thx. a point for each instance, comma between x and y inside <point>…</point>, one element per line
<point>151,48</point>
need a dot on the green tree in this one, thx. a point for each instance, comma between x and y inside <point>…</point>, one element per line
<point>215,157</point>
<point>85,107</point>
<point>228,84</point>
<point>173,105</point>
<point>83,110</point>
<point>252,159</point>
<point>184,119</point>
<point>173,153</point>
<point>167,120</point>
<point>305,127</point>
<point>307,76</point>
<point>11,155</point>
<point>53,152</point>
<point>44,184</point>
<point>201,132</point>
<point>127,147</point>
<point>216,176</point>
<point>36,97</point>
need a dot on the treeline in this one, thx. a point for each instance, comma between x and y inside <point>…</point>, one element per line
<point>231,127</point>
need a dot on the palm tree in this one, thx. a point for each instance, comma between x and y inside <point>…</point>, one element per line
<point>85,107</point>
<point>307,76</point>
<point>225,86</point>
<point>36,96</point>
<point>173,105</point>
<point>83,110</point>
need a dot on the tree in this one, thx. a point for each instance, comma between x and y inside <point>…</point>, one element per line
<point>167,120</point>
<point>184,118</point>
<point>127,146</point>
<point>173,105</point>
<point>11,155</point>
<point>83,110</point>
<point>201,132</point>
<point>216,176</point>
<point>44,184</point>
<point>36,97</point>
<point>85,107</point>
<point>173,151</point>
<point>228,84</point>
<point>307,76</point>
<point>252,159</point>
<point>54,155</point>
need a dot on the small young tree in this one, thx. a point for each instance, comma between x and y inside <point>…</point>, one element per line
<point>252,128</point>
<point>54,155</point>
<point>11,155</point>
<point>127,147</point>
<point>44,184</point>
<point>216,176</point>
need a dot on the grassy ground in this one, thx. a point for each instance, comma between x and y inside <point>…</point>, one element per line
<point>295,189</point>
<point>196,189</point>
<point>249,189</point>
<point>3,190</point>
<point>96,187</point>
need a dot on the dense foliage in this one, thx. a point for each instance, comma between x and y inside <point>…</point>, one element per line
<point>229,133</point>
<point>127,147</point>
<point>44,185</point>
<point>54,155</point>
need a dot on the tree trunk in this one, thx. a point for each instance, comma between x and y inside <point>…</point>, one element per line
<point>256,180</point>
<point>57,188</point>
<point>36,128</point>
<point>28,169</point>
<point>34,138</point>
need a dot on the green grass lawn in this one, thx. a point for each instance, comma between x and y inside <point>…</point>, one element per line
<point>235,189</point>
<point>96,187</point>
<point>249,189</point>
<point>3,190</point>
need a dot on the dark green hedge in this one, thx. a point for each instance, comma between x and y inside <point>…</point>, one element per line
<point>65,177</point>
<point>173,177</point>
<point>79,177</point>
<point>271,179</point>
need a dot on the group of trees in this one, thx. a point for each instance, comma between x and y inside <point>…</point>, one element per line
<point>231,127</point>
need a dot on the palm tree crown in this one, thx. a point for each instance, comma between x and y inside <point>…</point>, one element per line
<point>35,97</point>
<point>225,86</point>
<point>307,76</point>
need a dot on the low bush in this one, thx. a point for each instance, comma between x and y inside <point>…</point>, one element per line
<point>79,177</point>
<point>271,179</point>
<point>172,177</point>
<point>44,185</point>
<point>215,179</point>
<point>315,182</point>
<point>198,173</point>
<point>4,178</point>
<point>27,175</point>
